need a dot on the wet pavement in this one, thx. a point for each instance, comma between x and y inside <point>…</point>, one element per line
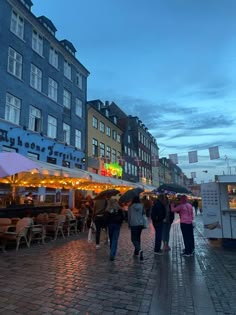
<point>69,276</point>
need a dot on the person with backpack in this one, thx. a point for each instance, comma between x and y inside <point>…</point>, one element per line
<point>158,214</point>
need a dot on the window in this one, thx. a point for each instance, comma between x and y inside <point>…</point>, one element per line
<point>66,133</point>
<point>95,147</point>
<point>108,152</point>
<point>114,134</point>
<point>53,57</point>
<point>79,80</point>
<point>35,119</point>
<point>102,149</point>
<point>52,89</point>
<point>95,122</point>
<point>37,43</point>
<point>36,78</point>
<point>78,107</point>
<point>102,127</point>
<point>108,131</point>
<point>12,109</point>
<point>17,24</point>
<point>67,70</point>
<point>52,127</point>
<point>14,63</point>
<point>78,139</point>
<point>118,138</point>
<point>113,155</point>
<point>129,139</point>
<point>67,99</point>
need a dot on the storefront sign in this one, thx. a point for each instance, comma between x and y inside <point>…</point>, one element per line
<point>113,169</point>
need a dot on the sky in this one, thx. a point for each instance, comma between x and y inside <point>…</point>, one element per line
<point>172,63</point>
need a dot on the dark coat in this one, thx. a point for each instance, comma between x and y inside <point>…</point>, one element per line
<point>158,213</point>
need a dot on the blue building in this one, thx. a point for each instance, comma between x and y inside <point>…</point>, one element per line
<point>43,89</point>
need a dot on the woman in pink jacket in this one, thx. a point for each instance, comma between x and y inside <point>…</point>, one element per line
<point>185,211</point>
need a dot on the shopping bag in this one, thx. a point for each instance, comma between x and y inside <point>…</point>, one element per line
<point>90,235</point>
<point>145,221</point>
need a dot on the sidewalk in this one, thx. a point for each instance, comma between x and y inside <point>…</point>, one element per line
<point>70,277</point>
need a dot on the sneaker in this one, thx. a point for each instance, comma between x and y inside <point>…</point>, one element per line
<point>158,252</point>
<point>135,254</point>
<point>141,255</point>
<point>186,255</point>
<point>112,258</point>
<point>97,246</point>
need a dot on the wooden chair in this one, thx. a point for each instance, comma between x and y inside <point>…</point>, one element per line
<point>17,233</point>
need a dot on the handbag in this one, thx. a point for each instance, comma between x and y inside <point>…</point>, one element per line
<point>145,222</point>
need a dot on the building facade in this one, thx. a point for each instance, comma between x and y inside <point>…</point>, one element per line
<point>43,89</point>
<point>103,141</point>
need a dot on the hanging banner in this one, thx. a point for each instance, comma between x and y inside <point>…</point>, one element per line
<point>192,157</point>
<point>214,153</point>
<point>174,158</point>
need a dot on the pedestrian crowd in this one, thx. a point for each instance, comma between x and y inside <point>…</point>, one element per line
<point>106,215</point>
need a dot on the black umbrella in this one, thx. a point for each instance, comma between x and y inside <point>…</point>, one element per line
<point>130,194</point>
<point>173,188</point>
<point>107,194</point>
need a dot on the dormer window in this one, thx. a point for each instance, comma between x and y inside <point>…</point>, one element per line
<point>106,113</point>
<point>115,120</point>
<point>27,3</point>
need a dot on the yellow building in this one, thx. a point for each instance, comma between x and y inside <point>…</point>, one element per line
<point>103,141</point>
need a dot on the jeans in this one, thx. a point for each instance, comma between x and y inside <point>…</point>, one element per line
<point>188,237</point>
<point>114,232</point>
<point>136,237</point>
<point>158,236</point>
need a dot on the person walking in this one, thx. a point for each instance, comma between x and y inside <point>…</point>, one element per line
<point>169,218</point>
<point>135,222</point>
<point>100,218</point>
<point>185,210</point>
<point>195,205</point>
<point>158,214</point>
<point>115,219</point>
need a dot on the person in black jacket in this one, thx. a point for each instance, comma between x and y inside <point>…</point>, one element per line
<point>115,220</point>
<point>158,214</point>
<point>169,218</point>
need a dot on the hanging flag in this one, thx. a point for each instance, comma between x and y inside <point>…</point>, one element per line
<point>214,153</point>
<point>192,157</point>
<point>193,174</point>
<point>174,158</point>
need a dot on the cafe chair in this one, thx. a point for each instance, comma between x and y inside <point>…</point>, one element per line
<point>17,233</point>
<point>70,226</point>
<point>56,226</point>
<point>37,233</point>
<point>4,223</point>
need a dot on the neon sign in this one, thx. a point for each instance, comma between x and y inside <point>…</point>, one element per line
<point>113,169</point>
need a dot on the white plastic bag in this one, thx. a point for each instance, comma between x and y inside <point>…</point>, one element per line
<point>91,230</point>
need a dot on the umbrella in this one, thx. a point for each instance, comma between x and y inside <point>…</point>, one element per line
<point>173,188</point>
<point>12,163</point>
<point>107,194</point>
<point>130,194</point>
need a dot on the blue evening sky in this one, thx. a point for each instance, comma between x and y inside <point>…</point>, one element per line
<point>172,63</point>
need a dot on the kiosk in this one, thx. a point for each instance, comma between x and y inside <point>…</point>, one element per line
<point>219,207</point>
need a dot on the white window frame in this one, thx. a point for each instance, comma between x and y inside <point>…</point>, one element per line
<point>118,138</point>
<point>66,133</point>
<point>36,77</point>
<point>35,119</point>
<point>52,89</point>
<point>101,126</point>
<point>53,57</point>
<point>102,150</point>
<point>114,134</point>
<point>79,80</point>
<point>37,42</point>
<point>108,131</point>
<point>12,109</point>
<point>108,152</point>
<point>52,127</point>
<point>78,107</point>
<point>78,139</point>
<point>67,99</point>
<point>67,69</point>
<point>95,122</point>
<point>17,24</point>
<point>14,63</point>
<point>94,147</point>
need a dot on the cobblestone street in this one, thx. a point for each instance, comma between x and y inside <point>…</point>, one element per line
<point>70,276</point>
